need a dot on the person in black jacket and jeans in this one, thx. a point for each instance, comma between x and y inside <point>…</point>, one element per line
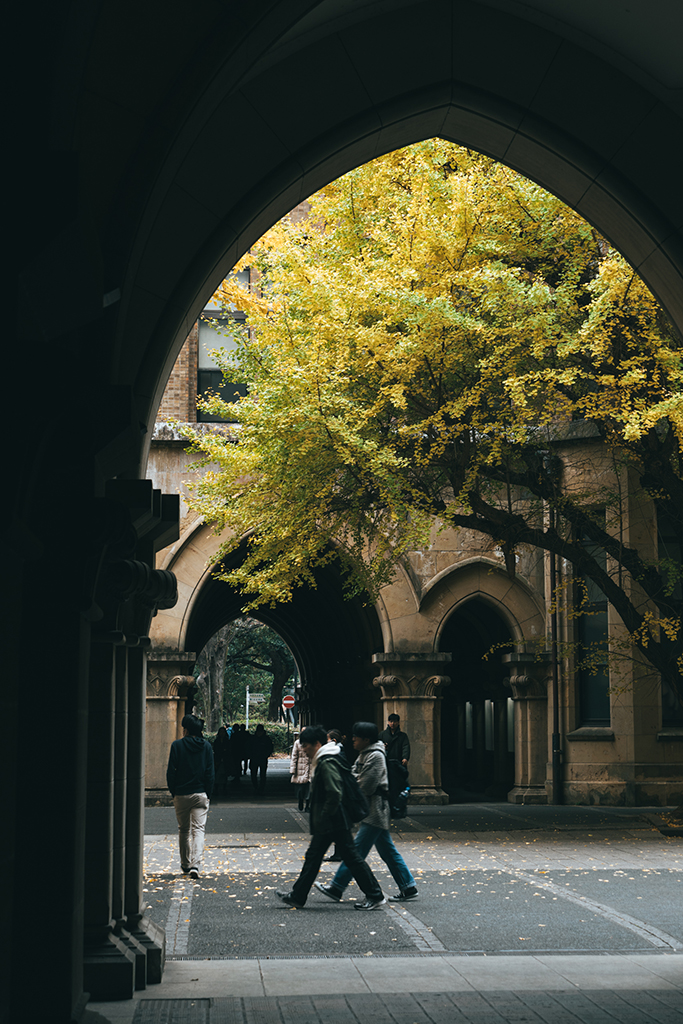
<point>189,777</point>
<point>329,824</point>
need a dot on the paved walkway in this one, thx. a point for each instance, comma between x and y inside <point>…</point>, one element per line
<point>610,881</point>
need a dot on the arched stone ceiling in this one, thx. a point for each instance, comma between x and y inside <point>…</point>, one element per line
<point>174,134</point>
<point>327,98</point>
<point>639,38</point>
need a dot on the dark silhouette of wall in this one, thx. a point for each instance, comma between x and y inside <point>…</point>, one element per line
<point>150,146</point>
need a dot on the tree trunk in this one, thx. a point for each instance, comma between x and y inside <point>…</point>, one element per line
<point>281,669</point>
<point>211,664</point>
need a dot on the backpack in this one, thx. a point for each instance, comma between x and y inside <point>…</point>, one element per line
<point>398,790</point>
<point>354,801</point>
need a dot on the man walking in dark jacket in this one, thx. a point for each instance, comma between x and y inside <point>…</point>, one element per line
<point>329,824</point>
<point>189,777</point>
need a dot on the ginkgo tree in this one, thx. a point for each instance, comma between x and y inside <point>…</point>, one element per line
<point>423,347</point>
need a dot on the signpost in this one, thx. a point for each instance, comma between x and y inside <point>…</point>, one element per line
<point>288,703</point>
<point>253,698</point>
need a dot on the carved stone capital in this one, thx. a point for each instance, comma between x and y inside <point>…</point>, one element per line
<point>528,676</point>
<point>176,686</point>
<point>527,687</point>
<point>154,588</point>
<point>168,673</point>
<point>411,675</point>
<point>391,686</point>
<point>430,687</point>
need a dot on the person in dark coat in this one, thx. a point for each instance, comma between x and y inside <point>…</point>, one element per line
<point>396,742</point>
<point>221,759</point>
<point>260,750</point>
<point>242,740</point>
<point>337,736</point>
<point>329,824</point>
<point>190,776</point>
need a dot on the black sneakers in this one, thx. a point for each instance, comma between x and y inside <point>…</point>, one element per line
<point>329,891</point>
<point>406,894</point>
<point>369,904</point>
<point>194,873</point>
<point>287,898</point>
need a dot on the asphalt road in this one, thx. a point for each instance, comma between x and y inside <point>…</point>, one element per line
<point>458,911</point>
<point>492,879</point>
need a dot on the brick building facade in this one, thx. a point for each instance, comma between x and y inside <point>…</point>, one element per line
<point>179,401</point>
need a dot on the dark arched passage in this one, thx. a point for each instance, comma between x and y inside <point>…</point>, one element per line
<point>332,640</point>
<point>478,761</point>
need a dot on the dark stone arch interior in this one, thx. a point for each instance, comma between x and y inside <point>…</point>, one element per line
<point>469,769</point>
<point>145,163</point>
<point>567,119</point>
<point>332,640</point>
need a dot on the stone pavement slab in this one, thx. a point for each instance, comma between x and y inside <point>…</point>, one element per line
<point>419,990</point>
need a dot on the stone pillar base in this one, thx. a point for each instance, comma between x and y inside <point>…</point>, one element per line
<point>140,954</point>
<point>153,938</point>
<point>426,795</point>
<point>528,795</point>
<point>109,971</point>
<point>79,1008</point>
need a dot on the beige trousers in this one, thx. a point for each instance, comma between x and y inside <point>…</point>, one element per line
<point>191,811</point>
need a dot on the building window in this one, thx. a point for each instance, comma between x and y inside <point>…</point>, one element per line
<point>593,646</point>
<point>209,376</point>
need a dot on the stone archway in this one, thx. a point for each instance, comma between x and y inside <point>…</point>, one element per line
<point>131,206</point>
<point>332,640</point>
<point>475,598</point>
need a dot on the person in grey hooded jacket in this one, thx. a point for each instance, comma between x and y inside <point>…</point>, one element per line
<point>370,768</point>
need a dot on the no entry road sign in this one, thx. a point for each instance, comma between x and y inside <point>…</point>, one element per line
<point>288,702</point>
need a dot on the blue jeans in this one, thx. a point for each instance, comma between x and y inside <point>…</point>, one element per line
<point>367,837</point>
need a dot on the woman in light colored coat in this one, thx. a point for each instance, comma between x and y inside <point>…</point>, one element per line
<point>300,772</point>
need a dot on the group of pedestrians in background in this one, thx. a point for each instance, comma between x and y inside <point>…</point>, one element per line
<point>325,788</point>
<point>236,750</point>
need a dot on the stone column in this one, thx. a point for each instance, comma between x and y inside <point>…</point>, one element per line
<point>410,685</point>
<point>500,752</point>
<point>120,770</point>
<point>168,682</point>
<point>108,964</point>
<point>150,936</point>
<point>529,682</point>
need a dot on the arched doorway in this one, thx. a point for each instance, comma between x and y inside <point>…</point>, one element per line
<point>477,751</point>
